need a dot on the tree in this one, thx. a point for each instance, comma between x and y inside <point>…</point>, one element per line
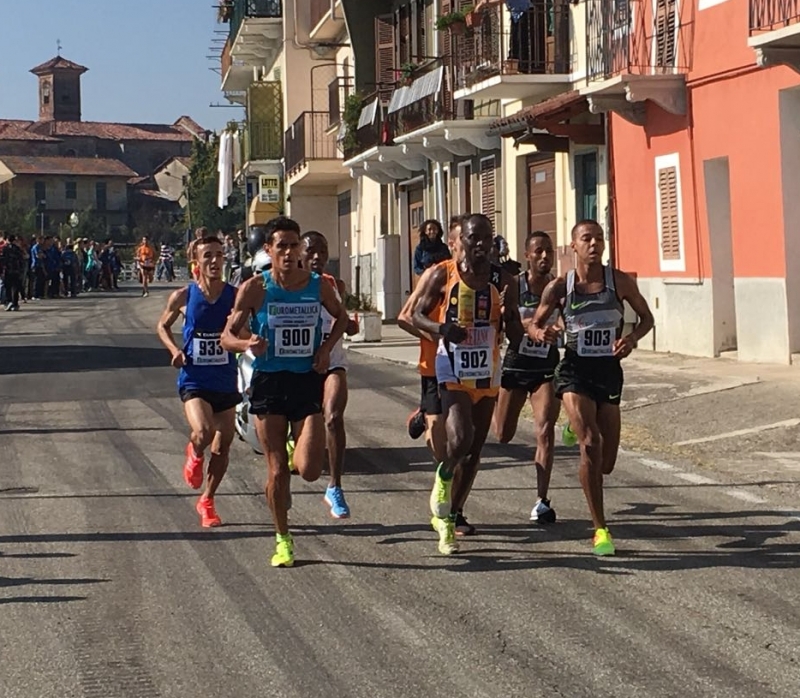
<point>17,219</point>
<point>90,226</point>
<point>202,190</point>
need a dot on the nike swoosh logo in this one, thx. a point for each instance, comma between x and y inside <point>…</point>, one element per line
<point>614,397</point>
<point>578,306</point>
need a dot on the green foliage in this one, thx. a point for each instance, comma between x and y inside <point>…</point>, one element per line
<point>364,303</point>
<point>202,192</point>
<point>17,219</point>
<point>353,105</point>
<point>90,225</point>
<point>450,18</point>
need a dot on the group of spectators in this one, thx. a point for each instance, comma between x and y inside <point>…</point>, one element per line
<point>46,267</point>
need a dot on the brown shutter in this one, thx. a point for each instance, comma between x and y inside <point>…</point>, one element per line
<point>665,33</point>
<point>489,189</point>
<point>670,225</point>
<point>404,31</point>
<point>384,56</point>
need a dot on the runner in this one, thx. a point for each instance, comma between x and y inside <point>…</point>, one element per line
<point>528,371</point>
<point>589,378</point>
<point>207,378</point>
<point>315,259</point>
<point>145,257</point>
<point>466,291</point>
<point>284,306</point>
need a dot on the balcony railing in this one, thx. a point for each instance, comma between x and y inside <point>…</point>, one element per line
<point>536,44</point>
<point>338,91</point>
<point>263,141</point>
<point>769,15</point>
<point>628,37</point>
<point>427,98</point>
<point>226,60</point>
<point>309,138</point>
<point>249,9</point>
<point>370,130</point>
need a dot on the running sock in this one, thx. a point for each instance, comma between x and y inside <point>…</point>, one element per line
<point>442,474</point>
<point>280,537</point>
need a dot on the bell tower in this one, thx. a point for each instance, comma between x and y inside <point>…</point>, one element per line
<point>59,89</point>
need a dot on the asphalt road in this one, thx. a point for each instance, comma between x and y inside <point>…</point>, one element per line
<point>108,587</point>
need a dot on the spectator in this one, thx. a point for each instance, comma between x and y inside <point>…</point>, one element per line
<point>53,267</point>
<point>69,269</point>
<point>431,248</point>
<point>12,263</point>
<point>166,262</point>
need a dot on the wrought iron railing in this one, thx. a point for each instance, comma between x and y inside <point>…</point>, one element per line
<point>247,9</point>
<point>625,36</point>
<point>309,138</point>
<point>263,141</point>
<point>371,130</point>
<point>769,15</point>
<point>536,44</point>
<point>226,60</point>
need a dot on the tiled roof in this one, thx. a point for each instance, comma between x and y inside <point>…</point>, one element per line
<point>57,63</point>
<point>112,131</point>
<point>98,167</point>
<point>17,130</point>
<point>556,108</point>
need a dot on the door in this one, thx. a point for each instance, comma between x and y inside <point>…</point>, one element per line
<point>542,195</point>
<point>586,186</point>
<point>345,264</point>
<point>416,215</point>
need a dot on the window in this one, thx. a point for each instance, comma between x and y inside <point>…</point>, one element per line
<point>39,193</point>
<point>4,196</point>
<point>384,56</point>
<point>669,213</point>
<point>586,186</point>
<point>464,188</point>
<point>101,194</point>
<point>489,189</point>
<point>71,190</point>
<point>70,153</point>
<point>45,93</point>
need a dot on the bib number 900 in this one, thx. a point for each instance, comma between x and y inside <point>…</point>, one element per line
<point>294,342</point>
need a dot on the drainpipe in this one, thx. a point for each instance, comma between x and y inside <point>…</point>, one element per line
<point>438,186</point>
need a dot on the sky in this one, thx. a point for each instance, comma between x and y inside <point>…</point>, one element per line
<point>147,59</point>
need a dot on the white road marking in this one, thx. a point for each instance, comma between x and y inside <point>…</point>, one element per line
<point>657,464</point>
<point>697,479</point>
<point>746,496</point>
<point>741,432</point>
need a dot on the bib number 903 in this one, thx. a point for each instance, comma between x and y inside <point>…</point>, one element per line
<point>596,342</point>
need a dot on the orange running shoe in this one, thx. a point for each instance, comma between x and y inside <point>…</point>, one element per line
<point>208,514</point>
<point>193,468</point>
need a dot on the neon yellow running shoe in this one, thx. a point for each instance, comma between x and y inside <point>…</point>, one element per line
<point>284,552</point>
<point>568,437</point>
<point>441,496</point>
<point>446,528</point>
<point>603,543</point>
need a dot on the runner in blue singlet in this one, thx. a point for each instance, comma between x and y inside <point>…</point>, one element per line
<point>284,307</point>
<point>207,378</point>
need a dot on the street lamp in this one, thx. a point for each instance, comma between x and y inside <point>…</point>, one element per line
<point>42,205</point>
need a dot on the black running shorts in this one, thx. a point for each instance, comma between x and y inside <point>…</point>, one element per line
<point>600,379</point>
<point>430,401</point>
<point>291,395</point>
<point>220,402</point>
<point>528,373</point>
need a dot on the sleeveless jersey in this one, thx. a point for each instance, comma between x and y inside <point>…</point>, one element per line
<point>338,353</point>
<point>474,363</point>
<point>208,365</point>
<point>593,321</point>
<point>291,321</point>
<point>528,355</point>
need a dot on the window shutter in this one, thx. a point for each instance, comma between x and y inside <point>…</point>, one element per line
<point>404,29</point>
<point>668,212</point>
<point>665,34</point>
<point>489,189</point>
<point>384,56</point>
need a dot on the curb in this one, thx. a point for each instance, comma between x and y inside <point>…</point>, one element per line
<point>396,362</point>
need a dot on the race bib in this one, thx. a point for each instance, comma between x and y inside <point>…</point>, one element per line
<point>473,359</point>
<point>207,350</point>
<point>536,350</point>
<point>596,342</point>
<point>294,342</point>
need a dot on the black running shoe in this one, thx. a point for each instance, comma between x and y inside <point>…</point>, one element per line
<point>416,424</point>
<point>463,527</point>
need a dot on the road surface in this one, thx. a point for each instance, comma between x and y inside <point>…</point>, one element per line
<point>108,587</point>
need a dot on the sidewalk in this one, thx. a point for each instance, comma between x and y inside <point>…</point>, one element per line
<point>717,413</point>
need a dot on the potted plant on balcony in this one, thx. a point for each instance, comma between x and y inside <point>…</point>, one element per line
<point>455,22</point>
<point>353,104</point>
<point>225,11</point>
<point>407,71</point>
<point>473,18</point>
<point>369,319</point>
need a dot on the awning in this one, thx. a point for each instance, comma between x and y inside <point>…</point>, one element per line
<point>368,114</point>
<point>424,86</point>
<point>556,109</point>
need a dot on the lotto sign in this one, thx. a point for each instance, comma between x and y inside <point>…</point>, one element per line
<point>269,189</point>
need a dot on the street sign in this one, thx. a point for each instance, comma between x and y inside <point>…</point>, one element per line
<point>269,189</point>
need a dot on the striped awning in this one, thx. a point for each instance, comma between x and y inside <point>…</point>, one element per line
<point>424,86</point>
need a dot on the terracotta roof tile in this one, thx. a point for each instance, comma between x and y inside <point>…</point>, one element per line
<point>17,130</point>
<point>562,105</point>
<point>113,131</point>
<point>98,167</point>
<point>57,63</point>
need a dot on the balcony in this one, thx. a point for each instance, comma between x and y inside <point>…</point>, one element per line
<point>312,155</point>
<point>262,141</point>
<point>527,59</point>
<point>255,37</point>
<point>637,52</point>
<point>263,137</point>
<point>775,32</point>
<point>325,24</point>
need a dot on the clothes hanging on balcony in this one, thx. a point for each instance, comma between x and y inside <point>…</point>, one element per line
<point>225,168</point>
<point>517,8</point>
